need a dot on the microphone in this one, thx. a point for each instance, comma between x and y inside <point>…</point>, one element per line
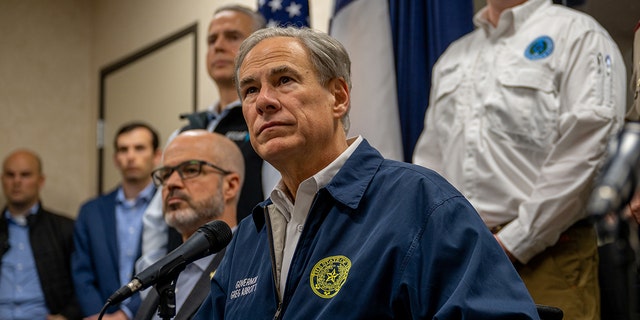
<point>619,176</point>
<point>208,239</point>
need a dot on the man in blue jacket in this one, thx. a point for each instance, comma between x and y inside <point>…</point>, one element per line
<point>347,234</point>
<point>108,229</point>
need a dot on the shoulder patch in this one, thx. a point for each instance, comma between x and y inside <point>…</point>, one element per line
<point>539,48</point>
<point>328,276</point>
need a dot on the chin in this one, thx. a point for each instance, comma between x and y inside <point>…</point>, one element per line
<point>275,155</point>
<point>280,144</point>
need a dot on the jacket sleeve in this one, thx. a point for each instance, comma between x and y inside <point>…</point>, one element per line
<point>84,278</point>
<point>459,271</point>
<point>60,292</point>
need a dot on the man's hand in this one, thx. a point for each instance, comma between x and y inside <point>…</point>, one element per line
<point>634,206</point>
<point>56,317</point>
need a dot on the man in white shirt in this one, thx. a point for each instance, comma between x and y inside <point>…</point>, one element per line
<point>520,114</point>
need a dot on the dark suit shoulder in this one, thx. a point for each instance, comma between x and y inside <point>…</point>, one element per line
<point>108,197</point>
<point>54,223</point>
<point>97,203</point>
<point>57,216</point>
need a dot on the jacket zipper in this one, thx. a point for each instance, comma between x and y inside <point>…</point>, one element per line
<point>278,313</point>
<point>272,255</point>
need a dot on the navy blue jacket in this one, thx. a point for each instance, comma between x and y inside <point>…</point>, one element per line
<point>95,257</point>
<point>383,240</point>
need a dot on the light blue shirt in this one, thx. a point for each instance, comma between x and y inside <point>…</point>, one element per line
<point>129,229</point>
<point>21,296</point>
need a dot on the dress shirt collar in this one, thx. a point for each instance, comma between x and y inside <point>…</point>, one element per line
<point>510,19</point>
<point>21,220</point>
<point>145,195</point>
<point>309,187</point>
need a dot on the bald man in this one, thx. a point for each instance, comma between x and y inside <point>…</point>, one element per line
<point>35,244</point>
<point>201,178</point>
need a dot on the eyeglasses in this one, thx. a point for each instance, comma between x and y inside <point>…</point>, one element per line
<point>186,170</point>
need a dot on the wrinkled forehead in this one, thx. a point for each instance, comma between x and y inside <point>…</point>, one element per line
<point>275,51</point>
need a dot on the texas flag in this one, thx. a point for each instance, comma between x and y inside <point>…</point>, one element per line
<point>393,45</point>
<point>282,13</point>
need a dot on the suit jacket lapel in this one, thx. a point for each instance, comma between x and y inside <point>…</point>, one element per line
<point>200,291</point>
<point>108,215</point>
<point>149,305</point>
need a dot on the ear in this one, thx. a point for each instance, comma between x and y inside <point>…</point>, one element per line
<point>340,91</point>
<point>231,188</point>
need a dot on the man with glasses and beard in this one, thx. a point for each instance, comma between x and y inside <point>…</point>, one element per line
<point>201,179</point>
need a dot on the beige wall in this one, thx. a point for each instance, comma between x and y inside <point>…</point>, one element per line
<point>51,54</point>
<point>45,100</point>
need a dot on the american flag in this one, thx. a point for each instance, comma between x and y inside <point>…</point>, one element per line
<point>285,12</point>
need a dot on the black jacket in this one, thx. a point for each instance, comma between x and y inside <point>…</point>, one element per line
<point>51,238</point>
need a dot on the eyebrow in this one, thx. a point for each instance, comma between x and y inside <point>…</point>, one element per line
<point>226,33</point>
<point>274,71</point>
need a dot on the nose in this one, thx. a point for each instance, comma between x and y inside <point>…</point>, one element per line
<point>174,180</point>
<point>130,155</point>
<point>266,102</point>
<point>217,46</point>
<point>220,44</point>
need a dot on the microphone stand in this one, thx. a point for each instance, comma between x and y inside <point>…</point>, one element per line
<point>167,292</point>
<point>618,272</point>
<point>614,189</point>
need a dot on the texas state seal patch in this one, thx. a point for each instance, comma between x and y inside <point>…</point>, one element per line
<point>328,276</point>
<point>539,48</point>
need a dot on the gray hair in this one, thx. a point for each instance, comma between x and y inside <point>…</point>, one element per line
<point>259,21</point>
<point>326,54</point>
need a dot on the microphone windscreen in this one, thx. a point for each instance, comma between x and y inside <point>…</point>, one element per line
<point>217,233</point>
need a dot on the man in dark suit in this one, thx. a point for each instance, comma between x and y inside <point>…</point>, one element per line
<point>201,179</point>
<point>108,228</point>
<point>35,245</point>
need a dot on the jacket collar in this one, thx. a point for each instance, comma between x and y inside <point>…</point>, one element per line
<point>511,19</point>
<point>347,186</point>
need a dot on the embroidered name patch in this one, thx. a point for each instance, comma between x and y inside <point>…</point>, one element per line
<point>244,287</point>
<point>328,276</point>
<point>539,48</point>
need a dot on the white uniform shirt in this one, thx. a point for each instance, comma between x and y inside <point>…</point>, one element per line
<point>519,118</point>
